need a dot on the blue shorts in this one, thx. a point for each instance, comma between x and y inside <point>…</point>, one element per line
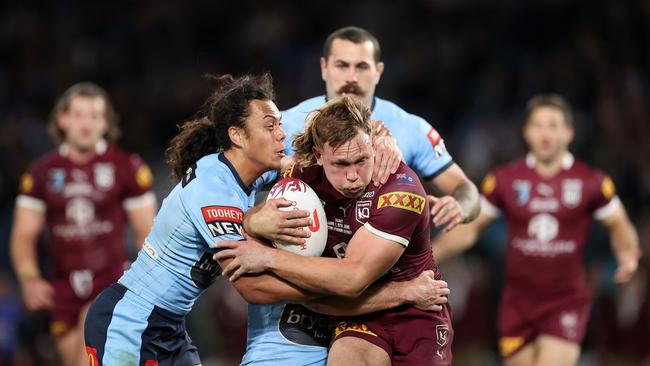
<point>123,329</point>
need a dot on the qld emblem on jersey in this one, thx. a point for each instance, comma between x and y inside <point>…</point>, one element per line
<point>571,192</point>
<point>522,191</point>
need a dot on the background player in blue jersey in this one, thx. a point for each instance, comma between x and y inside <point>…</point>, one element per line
<point>351,66</point>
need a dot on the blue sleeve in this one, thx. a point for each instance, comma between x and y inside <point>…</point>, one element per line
<point>292,123</point>
<point>216,213</point>
<point>430,157</point>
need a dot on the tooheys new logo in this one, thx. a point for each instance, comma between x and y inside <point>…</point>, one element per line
<point>222,220</point>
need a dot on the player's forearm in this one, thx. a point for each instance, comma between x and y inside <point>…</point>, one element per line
<point>321,275</point>
<point>377,297</point>
<point>269,289</point>
<point>625,241</point>
<point>467,197</point>
<point>23,257</point>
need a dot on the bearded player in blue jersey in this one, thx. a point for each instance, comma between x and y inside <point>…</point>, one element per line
<point>221,160</point>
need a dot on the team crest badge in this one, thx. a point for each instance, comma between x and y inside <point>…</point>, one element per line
<point>571,192</point>
<point>522,191</point>
<point>442,334</point>
<point>363,211</point>
<point>104,175</point>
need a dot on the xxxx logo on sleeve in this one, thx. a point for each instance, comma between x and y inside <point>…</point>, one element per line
<point>404,200</point>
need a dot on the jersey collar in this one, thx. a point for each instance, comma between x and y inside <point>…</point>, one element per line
<point>567,160</point>
<point>243,187</point>
<point>100,148</point>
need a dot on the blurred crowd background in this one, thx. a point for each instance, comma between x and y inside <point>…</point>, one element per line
<point>467,66</point>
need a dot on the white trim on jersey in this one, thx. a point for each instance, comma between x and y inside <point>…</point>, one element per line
<point>567,160</point>
<point>608,209</point>
<point>31,203</point>
<point>489,209</point>
<point>139,201</point>
<point>381,234</point>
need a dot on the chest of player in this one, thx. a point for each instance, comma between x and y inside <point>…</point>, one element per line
<point>92,187</point>
<point>563,198</point>
<point>344,218</point>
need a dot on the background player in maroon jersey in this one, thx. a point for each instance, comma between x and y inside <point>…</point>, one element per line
<point>83,193</point>
<point>548,200</point>
<point>373,232</point>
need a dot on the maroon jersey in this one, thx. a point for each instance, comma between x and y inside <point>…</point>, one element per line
<point>397,210</point>
<point>548,221</point>
<point>84,207</point>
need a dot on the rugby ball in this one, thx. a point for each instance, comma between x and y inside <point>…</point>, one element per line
<point>303,198</point>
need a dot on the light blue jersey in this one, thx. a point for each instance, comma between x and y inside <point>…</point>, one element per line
<point>289,334</point>
<point>423,149</point>
<point>175,264</point>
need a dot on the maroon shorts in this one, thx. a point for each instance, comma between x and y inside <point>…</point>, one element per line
<point>73,292</point>
<point>409,336</point>
<point>524,316</point>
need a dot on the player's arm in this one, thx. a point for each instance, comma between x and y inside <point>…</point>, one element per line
<point>367,257</point>
<point>424,292</point>
<point>267,220</point>
<point>141,219</point>
<point>624,239</point>
<point>27,225</point>
<point>452,243</point>
<point>460,201</point>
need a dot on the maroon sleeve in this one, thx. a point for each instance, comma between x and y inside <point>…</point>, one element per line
<point>32,182</point>
<point>397,211</point>
<point>137,178</point>
<point>601,190</point>
<point>492,189</point>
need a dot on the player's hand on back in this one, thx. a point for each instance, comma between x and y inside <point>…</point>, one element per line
<point>446,211</point>
<point>38,294</point>
<point>286,226</point>
<point>248,256</point>
<point>426,293</point>
<point>387,153</point>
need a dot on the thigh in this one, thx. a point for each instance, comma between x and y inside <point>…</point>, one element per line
<point>354,351</point>
<point>524,356</point>
<point>421,338</point>
<point>556,351</point>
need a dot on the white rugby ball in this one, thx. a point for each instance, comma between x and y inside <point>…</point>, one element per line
<point>303,198</point>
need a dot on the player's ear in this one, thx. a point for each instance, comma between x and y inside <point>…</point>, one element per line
<point>318,155</point>
<point>236,135</point>
<point>380,70</point>
<point>323,68</point>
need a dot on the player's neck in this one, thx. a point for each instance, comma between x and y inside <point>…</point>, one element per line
<point>549,168</point>
<point>246,170</point>
<point>80,156</point>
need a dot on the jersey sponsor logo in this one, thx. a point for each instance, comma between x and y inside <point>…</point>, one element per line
<point>151,363</point>
<point>544,189</point>
<point>26,183</point>
<point>189,176</point>
<point>150,250</point>
<point>540,204</point>
<point>104,174</point>
<point>205,271</point>
<point>442,334</point>
<point>80,211</point>
<point>489,184</point>
<point>542,231</point>
<point>363,211</point>
<point>57,179</point>
<point>571,192</point>
<point>303,326</point>
<point>223,220</point>
<point>344,326</point>
<point>144,177</point>
<point>608,188</point>
<point>92,356</point>
<point>522,191</point>
<point>508,345</point>
<point>403,200</point>
<point>435,139</point>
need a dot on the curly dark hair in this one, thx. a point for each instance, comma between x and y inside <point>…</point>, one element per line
<point>208,132</point>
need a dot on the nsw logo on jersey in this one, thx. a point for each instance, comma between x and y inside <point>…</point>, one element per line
<point>222,220</point>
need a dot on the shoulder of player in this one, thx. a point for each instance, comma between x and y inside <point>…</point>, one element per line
<point>385,108</point>
<point>403,180</point>
<point>306,106</point>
